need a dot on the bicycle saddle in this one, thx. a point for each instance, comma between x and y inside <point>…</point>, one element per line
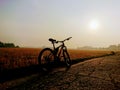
<point>52,40</point>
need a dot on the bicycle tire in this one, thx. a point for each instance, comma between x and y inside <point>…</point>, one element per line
<point>45,59</point>
<point>67,58</point>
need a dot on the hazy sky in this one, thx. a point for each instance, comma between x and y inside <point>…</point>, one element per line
<point>31,22</point>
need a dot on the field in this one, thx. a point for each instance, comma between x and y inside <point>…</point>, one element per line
<point>11,58</point>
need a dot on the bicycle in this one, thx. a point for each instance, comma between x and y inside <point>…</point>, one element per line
<point>47,57</point>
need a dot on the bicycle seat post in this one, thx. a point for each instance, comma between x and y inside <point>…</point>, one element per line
<point>53,45</point>
<point>53,41</point>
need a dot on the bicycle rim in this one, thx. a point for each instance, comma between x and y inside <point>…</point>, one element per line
<point>46,59</point>
<point>67,59</point>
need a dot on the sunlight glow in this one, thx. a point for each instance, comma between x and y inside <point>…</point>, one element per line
<point>94,25</point>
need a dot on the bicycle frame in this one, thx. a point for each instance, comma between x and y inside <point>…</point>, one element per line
<point>58,51</point>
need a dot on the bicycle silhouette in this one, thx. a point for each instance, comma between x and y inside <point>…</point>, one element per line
<point>47,57</point>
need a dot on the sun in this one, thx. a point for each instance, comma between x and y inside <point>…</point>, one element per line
<point>94,25</point>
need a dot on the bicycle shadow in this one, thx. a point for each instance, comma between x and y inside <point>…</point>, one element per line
<point>17,73</point>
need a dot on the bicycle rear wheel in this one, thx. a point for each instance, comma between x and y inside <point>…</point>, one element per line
<point>46,59</point>
<point>67,58</point>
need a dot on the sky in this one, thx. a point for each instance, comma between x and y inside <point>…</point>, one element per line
<point>30,23</point>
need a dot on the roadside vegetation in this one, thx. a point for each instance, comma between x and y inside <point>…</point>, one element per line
<point>11,58</point>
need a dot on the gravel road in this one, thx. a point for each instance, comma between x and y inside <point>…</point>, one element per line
<point>95,74</point>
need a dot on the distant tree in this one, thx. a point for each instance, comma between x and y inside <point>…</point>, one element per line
<point>9,45</point>
<point>118,46</point>
<point>17,46</point>
<point>1,44</point>
<point>112,47</point>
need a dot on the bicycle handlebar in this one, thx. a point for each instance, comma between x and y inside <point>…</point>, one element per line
<point>68,38</point>
<point>65,39</point>
<point>54,41</point>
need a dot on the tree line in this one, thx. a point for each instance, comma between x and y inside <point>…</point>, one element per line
<point>110,47</point>
<point>8,45</point>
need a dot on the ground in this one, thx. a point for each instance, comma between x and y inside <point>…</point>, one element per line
<point>95,74</point>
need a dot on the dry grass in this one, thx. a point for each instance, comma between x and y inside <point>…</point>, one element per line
<point>74,54</point>
<point>21,57</point>
<point>18,57</point>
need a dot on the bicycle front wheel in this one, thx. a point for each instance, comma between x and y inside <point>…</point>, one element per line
<point>67,58</point>
<point>45,59</point>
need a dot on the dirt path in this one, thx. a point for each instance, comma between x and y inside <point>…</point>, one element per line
<point>95,74</point>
